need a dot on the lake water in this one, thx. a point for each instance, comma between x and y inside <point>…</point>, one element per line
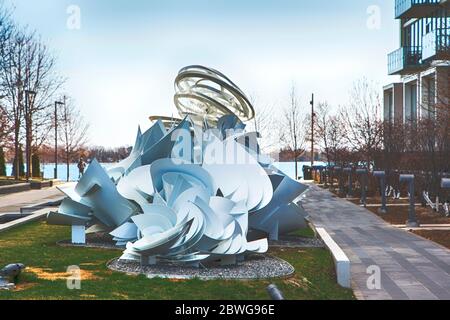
<point>48,170</point>
<point>287,167</point>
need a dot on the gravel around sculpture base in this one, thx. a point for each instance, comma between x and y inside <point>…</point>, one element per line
<point>190,190</point>
<point>255,266</point>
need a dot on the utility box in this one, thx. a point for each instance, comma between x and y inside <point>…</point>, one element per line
<point>307,173</point>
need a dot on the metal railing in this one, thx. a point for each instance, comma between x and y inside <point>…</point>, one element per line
<point>403,58</point>
<point>401,6</point>
<point>436,41</point>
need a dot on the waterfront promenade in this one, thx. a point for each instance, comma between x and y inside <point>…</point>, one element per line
<point>411,267</point>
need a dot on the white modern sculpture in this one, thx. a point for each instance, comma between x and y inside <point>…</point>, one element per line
<point>192,189</point>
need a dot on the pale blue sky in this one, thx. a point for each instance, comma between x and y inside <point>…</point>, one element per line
<point>122,62</point>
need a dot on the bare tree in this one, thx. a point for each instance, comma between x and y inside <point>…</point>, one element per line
<point>431,136</point>
<point>433,131</point>
<point>103,154</point>
<point>28,83</point>
<point>362,120</point>
<point>292,128</point>
<point>43,80</point>
<point>12,77</point>
<point>6,26</point>
<point>13,115</point>
<point>323,126</point>
<point>73,132</point>
<point>336,135</point>
<point>263,124</point>
<point>5,128</point>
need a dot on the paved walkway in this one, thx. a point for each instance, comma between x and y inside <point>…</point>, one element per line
<point>13,202</point>
<point>411,267</point>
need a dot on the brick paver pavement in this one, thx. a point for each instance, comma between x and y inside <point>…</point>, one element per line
<point>411,267</point>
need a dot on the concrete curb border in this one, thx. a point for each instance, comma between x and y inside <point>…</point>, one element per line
<point>341,261</point>
<point>37,215</point>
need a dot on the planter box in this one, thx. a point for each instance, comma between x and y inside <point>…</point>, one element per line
<point>19,187</point>
<point>37,185</point>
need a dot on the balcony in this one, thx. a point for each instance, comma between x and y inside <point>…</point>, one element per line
<point>415,8</point>
<point>436,45</point>
<point>404,60</point>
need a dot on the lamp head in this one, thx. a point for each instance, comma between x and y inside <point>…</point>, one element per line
<point>379,174</point>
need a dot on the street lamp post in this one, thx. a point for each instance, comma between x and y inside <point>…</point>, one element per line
<point>29,100</point>
<point>56,136</point>
<point>312,130</point>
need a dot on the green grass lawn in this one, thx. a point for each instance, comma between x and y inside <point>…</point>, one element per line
<point>35,246</point>
<point>304,233</point>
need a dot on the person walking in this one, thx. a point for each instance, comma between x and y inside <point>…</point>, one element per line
<point>81,167</point>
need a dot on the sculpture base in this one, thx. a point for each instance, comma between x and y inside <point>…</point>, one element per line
<point>256,266</point>
<point>78,235</point>
<point>228,261</point>
<point>148,261</point>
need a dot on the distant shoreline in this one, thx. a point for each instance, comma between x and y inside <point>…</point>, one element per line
<point>48,168</point>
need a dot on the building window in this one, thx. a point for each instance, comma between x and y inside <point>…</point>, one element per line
<point>413,102</point>
<point>410,108</point>
<point>431,103</point>
<point>391,107</point>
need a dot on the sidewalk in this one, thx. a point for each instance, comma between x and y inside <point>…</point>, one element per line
<point>13,202</point>
<point>411,267</point>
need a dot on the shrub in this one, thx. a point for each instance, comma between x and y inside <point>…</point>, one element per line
<point>36,165</point>
<point>2,163</point>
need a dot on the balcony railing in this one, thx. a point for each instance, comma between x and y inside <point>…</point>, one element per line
<point>414,8</point>
<point>436,44</point>
<point>404,60</point>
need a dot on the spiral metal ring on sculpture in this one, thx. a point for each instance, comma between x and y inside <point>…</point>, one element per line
<point>168,122</point>
<point>209,94</point>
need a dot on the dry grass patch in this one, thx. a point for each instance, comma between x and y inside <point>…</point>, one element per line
<point>46,274</point>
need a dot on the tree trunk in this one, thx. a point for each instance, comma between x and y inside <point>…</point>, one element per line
<point>16,151</point>
<point>28,141</point>
<point>67,165</point>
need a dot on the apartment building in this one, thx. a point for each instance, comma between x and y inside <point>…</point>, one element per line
<point>422,61</point>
